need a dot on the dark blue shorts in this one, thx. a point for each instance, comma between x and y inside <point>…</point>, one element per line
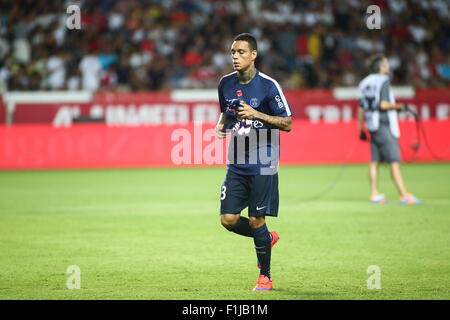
<point>257,192</point>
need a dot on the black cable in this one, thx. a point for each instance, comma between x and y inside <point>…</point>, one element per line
<point>415,146</point>
<point>427,144</point>
<point>420,128</point>
<point>336,179</point>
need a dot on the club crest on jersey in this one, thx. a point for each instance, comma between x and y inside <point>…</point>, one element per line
<point>254,102</point>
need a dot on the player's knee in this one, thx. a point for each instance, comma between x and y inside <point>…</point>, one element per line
<point>256,222</point>
<point>228,221</point>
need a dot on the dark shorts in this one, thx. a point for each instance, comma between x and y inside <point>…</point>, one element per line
<point>384,146</point>
<point>257,192</point>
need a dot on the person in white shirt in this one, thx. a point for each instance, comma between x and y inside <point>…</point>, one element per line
<point>90,68</point>
<point>379,109</point>
<point>56,68</point>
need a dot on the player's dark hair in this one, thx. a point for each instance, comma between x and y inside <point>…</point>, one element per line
<point>249,38</point>
<point>375,62</point>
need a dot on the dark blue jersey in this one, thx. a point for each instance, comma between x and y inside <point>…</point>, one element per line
<point>265,95</point>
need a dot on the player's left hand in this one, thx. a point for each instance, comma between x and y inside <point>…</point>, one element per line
<point>246,112</point>
<point>219,131</point>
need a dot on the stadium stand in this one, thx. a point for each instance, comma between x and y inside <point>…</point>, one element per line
<point>153,45</point>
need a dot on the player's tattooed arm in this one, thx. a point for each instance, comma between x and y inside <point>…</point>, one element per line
<point>282,123</point>
<point>247,112</point>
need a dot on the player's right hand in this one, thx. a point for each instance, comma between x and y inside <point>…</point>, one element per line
<point>219,133</point>
<point>362,135</point>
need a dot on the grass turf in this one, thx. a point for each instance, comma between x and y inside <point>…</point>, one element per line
<point>155,234</point>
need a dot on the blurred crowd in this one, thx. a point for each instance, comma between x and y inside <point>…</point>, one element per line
<point>171,44</point>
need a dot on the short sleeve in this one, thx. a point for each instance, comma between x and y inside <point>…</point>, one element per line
<point>277,102</point>
<point>385,94</point>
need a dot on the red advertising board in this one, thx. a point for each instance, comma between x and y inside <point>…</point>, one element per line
<point>42,146</point>
<point>169,107</point>
<point>341,104</point>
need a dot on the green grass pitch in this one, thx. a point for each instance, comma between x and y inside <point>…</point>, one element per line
<point>155,234</point>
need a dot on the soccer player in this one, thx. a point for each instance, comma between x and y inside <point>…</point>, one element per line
<point>379,109</point>
<point>251,103</point>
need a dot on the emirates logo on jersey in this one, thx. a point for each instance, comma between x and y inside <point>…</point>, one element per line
<point>239,93</point>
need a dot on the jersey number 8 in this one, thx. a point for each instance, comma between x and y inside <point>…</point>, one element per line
<point>223,193</point>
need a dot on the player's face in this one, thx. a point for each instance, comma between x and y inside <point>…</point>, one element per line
<point>384,66</point>
<point>243,57</point>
